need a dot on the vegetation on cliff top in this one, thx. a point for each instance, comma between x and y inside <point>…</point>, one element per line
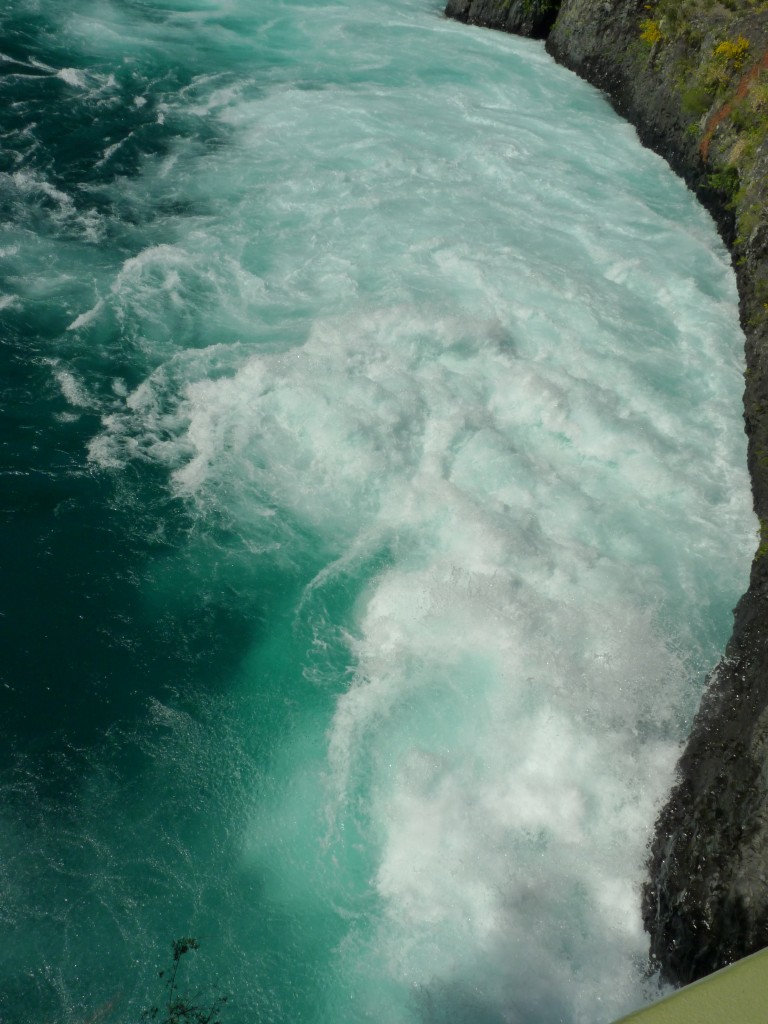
<point>713,56</point>
<point>719,51</point>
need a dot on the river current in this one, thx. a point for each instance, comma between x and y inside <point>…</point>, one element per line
<point>374,506</point>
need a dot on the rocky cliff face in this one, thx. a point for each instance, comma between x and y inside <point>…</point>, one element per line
<point>532,18</point>
<point>692,76</point>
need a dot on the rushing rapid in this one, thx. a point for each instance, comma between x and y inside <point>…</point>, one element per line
<point>376,500</point>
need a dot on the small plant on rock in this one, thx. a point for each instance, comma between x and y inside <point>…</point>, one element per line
<point>650,32</point>
<point>732,53</point>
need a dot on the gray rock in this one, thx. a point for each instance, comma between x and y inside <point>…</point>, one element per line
<point>531,18</point>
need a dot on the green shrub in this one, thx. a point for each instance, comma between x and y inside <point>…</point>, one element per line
<point>726,181</point>
<point>540,6</point>
<point>650,32</point>
<point>732,53</point>
<point>697,99</point>
<point>762,550</point>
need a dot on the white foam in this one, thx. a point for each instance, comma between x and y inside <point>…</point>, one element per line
<point>111,150</point>
<point>86,318</point>
<point>73,77</point>
<point>71,388</point>
<point>449,334</point>
<point>29,182</point>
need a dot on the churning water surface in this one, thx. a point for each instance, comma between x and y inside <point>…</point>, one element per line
<point>374,505</point>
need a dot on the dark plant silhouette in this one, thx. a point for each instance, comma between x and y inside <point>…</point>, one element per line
<point>181,1008</point>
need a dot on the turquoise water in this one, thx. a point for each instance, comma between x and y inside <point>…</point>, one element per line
<point>374,505</point>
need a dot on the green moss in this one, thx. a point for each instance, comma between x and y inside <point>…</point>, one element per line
<point>697,99</point>
<point>762,549</point>
<point>750,215</point>
<point>726,181</point>
<point>540,6</point>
